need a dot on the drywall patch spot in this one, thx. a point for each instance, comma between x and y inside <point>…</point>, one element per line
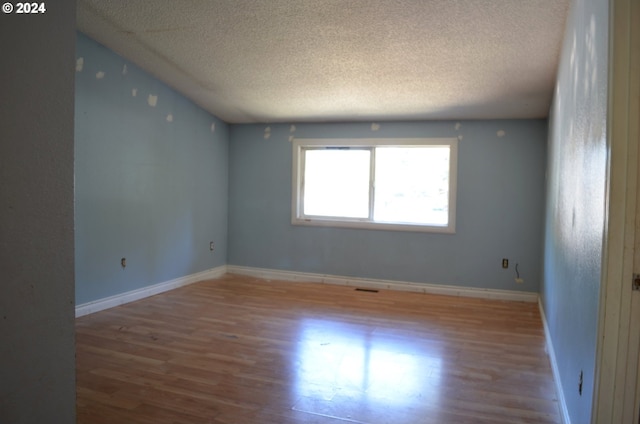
<point>292,128</point>
<point>152,100</point>
<point>458,126</point>
<point>100,75</point>
<point>124,69</point>
<point>213,127</point>
<point>375,127</point>
<point>291,139</point>
<point>501,133</point>
<point>134,92</point>
<point>460,137</point>
<point>267,133</point>
<point>79,64</point>
<point>169,118</point>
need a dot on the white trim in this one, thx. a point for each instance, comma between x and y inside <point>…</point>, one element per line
<point>562,403</point>
<point>616,395</point>
<point>274,274</point>
<point>133,295</point>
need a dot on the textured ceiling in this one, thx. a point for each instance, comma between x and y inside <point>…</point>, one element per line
<point>342,60</point>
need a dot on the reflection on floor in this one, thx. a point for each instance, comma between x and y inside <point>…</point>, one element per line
<point>340,364</point>
<point>241,350</point>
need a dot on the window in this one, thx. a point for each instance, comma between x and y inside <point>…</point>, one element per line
<point>404,184</point>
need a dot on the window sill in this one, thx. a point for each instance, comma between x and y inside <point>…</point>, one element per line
<point>367,225</point>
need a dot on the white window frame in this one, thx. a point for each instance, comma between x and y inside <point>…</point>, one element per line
<point>298,218</point>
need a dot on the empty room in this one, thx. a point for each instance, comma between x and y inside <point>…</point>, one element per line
<point>320,212</point>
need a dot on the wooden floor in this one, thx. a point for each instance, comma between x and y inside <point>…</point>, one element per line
<point>241,350</point>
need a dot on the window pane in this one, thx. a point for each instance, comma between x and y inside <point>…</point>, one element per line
<point>336,183</point>
<point>412,185</point>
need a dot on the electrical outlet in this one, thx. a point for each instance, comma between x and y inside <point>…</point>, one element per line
<point>505,263</point>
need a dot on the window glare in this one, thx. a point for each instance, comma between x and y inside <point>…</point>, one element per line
<point>412,185</point>
<point>336,183</point>
<point>393,184</point>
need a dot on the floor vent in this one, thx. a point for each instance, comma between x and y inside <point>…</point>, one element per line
<point>367,290</point>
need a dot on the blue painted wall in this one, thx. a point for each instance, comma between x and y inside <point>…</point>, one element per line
<point>499,210</point>
<point>576,201</point>
<point>151,181</point>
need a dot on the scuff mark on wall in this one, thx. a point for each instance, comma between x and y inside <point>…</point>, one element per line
<point>501,133</point>
<point>213,127</point>
<point>134,92</point>
<point>267,133</point>
<point>375,127</point>
<point>460,137</point>
<point>100,75</point>
<point>124,69</point>
<point>169,118</point>
<point>79,64</point>
<point>457,126</point>
<point>152,100</point>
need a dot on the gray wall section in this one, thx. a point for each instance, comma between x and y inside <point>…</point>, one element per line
<point>151,181</point>
<point>499,211</point>
<point>576,202</point>
<point>37,371</point>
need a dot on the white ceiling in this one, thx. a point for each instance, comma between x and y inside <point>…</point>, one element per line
<point>342,60</point>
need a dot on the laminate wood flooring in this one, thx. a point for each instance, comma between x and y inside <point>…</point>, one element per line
<point>239,350</point>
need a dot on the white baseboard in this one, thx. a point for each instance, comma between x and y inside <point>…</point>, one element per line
<point>133,295</point>
<point>384,284</point>
<point>562,404</point>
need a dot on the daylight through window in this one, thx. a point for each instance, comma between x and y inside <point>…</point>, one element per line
<point>404,184</point>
